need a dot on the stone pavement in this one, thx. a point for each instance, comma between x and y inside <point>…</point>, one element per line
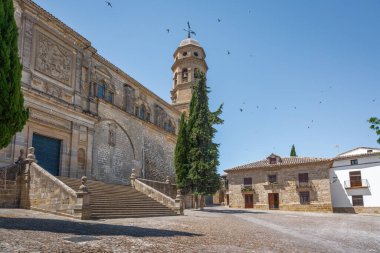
<point>216,229</point>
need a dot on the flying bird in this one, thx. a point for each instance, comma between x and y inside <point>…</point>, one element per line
<point>219,20</point>
<point>109,4</point>
<point>168,30</point>
<point>228,52</point>
<point>373,100</point>
<point>241,109</point>
<point>275,108</point>
<point>320,102</point>
<point>295,107</point>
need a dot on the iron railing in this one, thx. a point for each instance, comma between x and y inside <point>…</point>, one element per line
<point>363,183</point>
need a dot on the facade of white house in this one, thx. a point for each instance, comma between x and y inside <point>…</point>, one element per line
<point>355,181</point>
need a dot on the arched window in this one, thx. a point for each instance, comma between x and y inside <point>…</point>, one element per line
<point>81,159</point>
<point>184,75</point>
<point>196,73</point>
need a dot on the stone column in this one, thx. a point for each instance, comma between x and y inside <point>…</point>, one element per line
<point>90,141</point>
<point>178,203</point>
<point>82,209</point>
<point>25,179</point>
<point>74,150</point>
<point>133,178</point>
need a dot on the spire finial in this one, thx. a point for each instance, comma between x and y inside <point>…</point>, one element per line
<point>189,31</point>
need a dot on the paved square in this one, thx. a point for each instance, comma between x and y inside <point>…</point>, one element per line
<point>216,229</point>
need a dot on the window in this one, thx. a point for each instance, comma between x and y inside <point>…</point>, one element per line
<point>184,53</point>
<point>109,97</point>
<point>369,150</point>
<point>272,160</point>
<point>247,181</point>
<point>142,112</point>
<point>356,178</point>
<point>101,90</point>
<point>354,162</point>
<point>196,73</point>
<point>357,200</point>
<point>272,179</point>
<point>184,75</point>
<point>305,198</point>
<point>303,177</point>
<point>196,54</point>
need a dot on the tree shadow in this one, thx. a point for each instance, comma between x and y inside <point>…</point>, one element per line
<point>82,228</point>
<point>232,211</point>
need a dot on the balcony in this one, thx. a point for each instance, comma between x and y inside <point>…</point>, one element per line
<point>304,185</point>
<point>351,184</point>
<point>247,188</point>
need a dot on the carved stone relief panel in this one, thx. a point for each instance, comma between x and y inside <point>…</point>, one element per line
<point>53,59</point>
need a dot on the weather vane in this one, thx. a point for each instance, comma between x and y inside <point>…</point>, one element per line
<point>189,31</point>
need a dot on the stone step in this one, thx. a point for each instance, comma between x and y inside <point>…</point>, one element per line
<point>109,201</point>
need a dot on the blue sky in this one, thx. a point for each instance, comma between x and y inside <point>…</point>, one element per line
<point>304,72</point>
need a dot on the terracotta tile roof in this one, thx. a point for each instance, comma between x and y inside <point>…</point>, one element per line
<point>374,149</point>
<point>285,161</point>
<point>343,157</point>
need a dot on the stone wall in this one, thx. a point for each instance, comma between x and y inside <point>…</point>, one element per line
<point>48,194</point>
<point>287,178</point>
<point>10,186</point>
<point>166,188</point>
<point>146,147</point>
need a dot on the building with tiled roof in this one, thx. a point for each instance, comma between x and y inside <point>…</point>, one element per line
<point>355,181</point>
<point>283,183</point>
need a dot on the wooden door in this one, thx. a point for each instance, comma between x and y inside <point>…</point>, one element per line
<point>273,200</point>
<point>248,200</point>
<point>356,178</point>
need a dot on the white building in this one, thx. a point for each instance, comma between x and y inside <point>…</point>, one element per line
<point>355,181</point>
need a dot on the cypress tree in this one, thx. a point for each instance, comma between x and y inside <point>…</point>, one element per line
<point>293,151</point>
<point>203,152</point>
<point>180,158</point>
<point>13,116</point>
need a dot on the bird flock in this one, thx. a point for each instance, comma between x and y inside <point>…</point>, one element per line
<point>228,52</point>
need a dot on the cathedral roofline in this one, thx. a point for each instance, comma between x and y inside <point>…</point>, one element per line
<point>85,44</point>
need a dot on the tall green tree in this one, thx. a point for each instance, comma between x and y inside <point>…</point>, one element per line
<point>203,155</point>
<point>181,164</point>
<point>293,151</point>
<point>375,125</point>
<point>13,116</point>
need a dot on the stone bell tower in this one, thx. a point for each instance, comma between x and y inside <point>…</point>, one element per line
<point>189,61</point>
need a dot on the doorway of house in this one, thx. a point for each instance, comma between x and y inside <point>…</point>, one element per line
<point>273,200</point>
<point>248,200</point>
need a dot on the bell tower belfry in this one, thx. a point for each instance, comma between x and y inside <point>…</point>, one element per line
<point>189,61</point>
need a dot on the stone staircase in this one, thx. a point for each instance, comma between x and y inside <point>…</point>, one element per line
<point>118,201</point>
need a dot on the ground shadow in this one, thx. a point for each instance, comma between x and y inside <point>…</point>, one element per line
<point>231,211</point>
<point>82,228</point>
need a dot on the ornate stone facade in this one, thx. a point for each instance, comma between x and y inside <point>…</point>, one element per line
<point>106,122</point>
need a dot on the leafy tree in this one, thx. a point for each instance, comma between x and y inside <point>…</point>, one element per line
<point>203,155</point>
<point>180,158</point>
<point>375,125</point>
<point>293,151</point>
<point>13,116</point>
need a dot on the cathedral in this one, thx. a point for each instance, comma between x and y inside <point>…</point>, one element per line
<point>86,116</point>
